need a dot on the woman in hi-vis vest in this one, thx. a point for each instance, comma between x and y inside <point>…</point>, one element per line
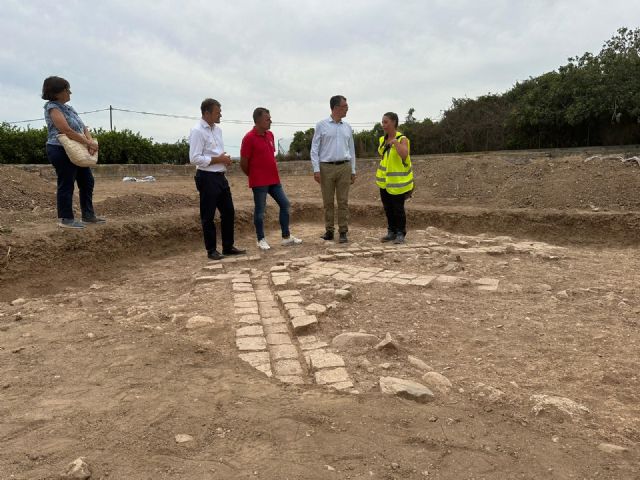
<point>394,177</point>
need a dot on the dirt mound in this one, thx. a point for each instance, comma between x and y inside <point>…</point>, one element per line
<point>20,190</point>
<point>143,204</point>
<point>567,182</point>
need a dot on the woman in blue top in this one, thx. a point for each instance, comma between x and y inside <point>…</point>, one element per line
<point>62,118</point>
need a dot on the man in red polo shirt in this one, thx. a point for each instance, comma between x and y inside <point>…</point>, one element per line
<point>258,162</point>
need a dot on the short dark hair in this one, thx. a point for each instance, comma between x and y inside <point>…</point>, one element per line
<point>208,104</point>
<point>393,117</point>
<point>335,101</point>
<point>258,112</point>
<point>52,86</point>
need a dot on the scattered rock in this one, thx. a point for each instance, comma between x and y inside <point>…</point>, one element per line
<point>545,403</point>
<point>416,362</point>
<point>437,381</point>
<point>18,301</point>
<point>406,389</point>
<point>183,438</point>
<point>611,448</point>
<point>342,294</point>
<point>354,339</point>
<point>387,344</point>
<point>199,321</point>
<point>78,469</point>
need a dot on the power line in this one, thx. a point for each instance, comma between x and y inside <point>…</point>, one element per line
<point>41,119</point>
<point>188,117</point>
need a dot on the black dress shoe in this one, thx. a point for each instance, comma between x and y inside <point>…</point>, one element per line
<point>233,251</point>
<point>215,255</point>
<point>327,235</point>
<point>343,238</point>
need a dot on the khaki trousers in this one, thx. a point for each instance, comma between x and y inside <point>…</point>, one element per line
<point>335,181</point>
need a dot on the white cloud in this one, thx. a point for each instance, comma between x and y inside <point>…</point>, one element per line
<point>289,56</point>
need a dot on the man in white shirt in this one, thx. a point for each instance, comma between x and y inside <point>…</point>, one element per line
<point>333,157</point>
<point>206,152</point>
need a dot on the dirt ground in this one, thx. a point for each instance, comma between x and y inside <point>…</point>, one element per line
<point>98,362</point>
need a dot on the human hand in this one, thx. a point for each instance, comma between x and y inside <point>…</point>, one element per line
<point>92,146</point>
<point>316,176</point>
<point>353,178</point>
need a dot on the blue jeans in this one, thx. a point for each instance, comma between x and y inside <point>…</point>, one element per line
<point>69,174</point>
<point>260,200</point>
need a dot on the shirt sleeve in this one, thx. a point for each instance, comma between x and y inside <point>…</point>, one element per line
<point>352,149</point>
<point>315,148</point>
<point>245,148</point>
<point>196,149</point>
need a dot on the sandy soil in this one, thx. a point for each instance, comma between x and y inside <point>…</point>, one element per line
<point>98,362</point>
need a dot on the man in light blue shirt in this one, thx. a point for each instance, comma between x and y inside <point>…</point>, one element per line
<point>333,157</point>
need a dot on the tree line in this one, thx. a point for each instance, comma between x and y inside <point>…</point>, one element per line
<point>593,100</point>
<point>28,146</point>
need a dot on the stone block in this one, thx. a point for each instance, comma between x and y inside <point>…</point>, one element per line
<point>250,331</point>
<point>319,359</point>
<point>287,367</point>
<point>281,352</point>
<point>303,323</point>
<point>251,343</point>
<point>278,339</point>
<point>423,281</point>
<point>276,328</point>
<point>334,375</point>
<point>255,358</point>
<point>250,319</point>
<point>245,304</point>
<point>246,311</point>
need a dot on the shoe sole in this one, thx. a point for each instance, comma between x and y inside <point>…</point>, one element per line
<point>69,227</point>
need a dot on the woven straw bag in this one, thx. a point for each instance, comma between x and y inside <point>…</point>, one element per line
<point>77,152</point>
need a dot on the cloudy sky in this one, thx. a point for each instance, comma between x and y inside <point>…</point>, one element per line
<point>289,56</point>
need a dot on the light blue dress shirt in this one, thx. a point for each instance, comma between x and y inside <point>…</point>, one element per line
<point>332,142</point>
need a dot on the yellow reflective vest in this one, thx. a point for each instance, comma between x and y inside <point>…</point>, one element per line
<point>394,174</point>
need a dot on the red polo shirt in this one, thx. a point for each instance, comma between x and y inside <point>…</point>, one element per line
<point>259,151</point>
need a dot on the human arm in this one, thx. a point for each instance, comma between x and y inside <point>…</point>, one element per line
<point>315,151</point>
<point>402,147</point>
<point>57,117</point>
<point>244,165</point>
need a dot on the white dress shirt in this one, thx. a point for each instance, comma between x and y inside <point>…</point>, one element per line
<point>332,142</point>
<point>206,142</point>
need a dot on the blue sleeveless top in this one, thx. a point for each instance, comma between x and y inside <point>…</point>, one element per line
<point>70,115</point>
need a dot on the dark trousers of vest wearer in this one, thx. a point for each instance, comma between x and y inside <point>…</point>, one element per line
<point>215,194</point>
<point>394,209</point>
<point>68,175</point>
<point>335,181</point>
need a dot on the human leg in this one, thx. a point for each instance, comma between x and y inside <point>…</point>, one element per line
<point>388,210</point>
<point>66,177</point>
<point>259,206</point>
<point>343,182</point>
<point>209,193</point>
<point>86,183</point>
<point>328,188</point>
<point>277,193</point>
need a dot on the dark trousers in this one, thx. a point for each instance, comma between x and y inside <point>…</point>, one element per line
<point>69,174</point>
<point>394,209</point>
<point>215,193</point>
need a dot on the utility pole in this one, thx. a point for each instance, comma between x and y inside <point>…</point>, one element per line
<point>111,118</point>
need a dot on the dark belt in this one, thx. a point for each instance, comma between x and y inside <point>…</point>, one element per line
<point>340,162</point>
<point>210,173</point>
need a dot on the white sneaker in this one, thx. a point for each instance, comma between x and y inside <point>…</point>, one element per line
<point>263,245</point>
<point>291,241</point>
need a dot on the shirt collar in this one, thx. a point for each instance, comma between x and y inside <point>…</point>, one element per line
<point>204,124</point>
<point>333,121</point>
<point>256,132</point>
